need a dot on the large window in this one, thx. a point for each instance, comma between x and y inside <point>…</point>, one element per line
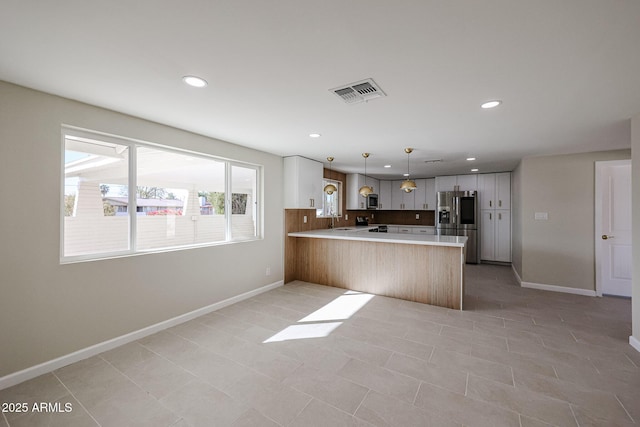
<point>331,203</point>
<point>181,199</point>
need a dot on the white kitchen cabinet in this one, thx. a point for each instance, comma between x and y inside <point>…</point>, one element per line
<point>424,230</point>
<point>425,197</point>
<point>303,183</point>
<point>404,230</point>
<point>488,235</point>
<point>503,190</point>
<point>430,194</point>
<point>420,196</point>
<point>487,190</point>
<point>503,235</point>
<point>354,182</point>
<point>446,183</point>
<point>467,182</point>
<point>401,200</point>
<point>384,200</point>
<point>464,182</point>
<point>494,190</point>
<point>495,235</point>
<point>393,229</point>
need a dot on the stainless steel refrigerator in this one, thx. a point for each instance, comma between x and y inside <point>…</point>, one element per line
<point>457,215</point>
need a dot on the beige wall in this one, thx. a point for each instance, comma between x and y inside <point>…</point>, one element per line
<point>48,310</point>
<point>560,251</point>
<point>635,197</point>
<point>516,219</point>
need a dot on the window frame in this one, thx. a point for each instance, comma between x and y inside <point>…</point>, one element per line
<point>339,185</point>
<point>85,135</point>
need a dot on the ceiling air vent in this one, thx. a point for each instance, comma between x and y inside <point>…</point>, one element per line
<point>357,92</point>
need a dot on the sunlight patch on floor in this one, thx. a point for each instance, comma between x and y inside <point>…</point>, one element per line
<point>308,330</point>
<point>340,308</point>
<point>322,322</point>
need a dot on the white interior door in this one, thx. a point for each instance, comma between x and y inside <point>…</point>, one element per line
<point>613,228</point>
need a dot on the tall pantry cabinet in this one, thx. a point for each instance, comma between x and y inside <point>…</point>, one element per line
<point>494,191</point>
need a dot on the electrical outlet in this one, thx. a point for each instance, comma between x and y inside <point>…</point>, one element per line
<point>372,216</point>
<point>304,219</point>
<point>417,216</point>
<point>268,272</point>
<point>346,217</point>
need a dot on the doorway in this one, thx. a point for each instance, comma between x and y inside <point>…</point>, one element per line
<point>613,228</point>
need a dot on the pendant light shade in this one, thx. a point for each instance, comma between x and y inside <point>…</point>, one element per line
<point>365,190</point>
<point>330,188</point>
<point>408,185</point>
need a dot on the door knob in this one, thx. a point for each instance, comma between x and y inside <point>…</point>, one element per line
<point>605,237</point>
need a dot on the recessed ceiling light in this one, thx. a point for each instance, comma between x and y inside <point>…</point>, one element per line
<point>405,174</point>
<point>194,81</point>
<point>491,104</point>
<point>387,166</point>
<point>470,158</point>
<point>474,170</point>
<point>314,135</point>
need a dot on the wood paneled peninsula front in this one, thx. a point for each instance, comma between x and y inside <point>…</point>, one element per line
<point>422,268</point>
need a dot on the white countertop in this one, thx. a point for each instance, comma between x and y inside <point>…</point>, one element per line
<point>405,225</point>
<point>363,234</point>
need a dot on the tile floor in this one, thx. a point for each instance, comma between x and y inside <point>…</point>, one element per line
<point>310,355</point>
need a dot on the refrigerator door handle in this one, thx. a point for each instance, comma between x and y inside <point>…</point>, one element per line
<point>456,208</point>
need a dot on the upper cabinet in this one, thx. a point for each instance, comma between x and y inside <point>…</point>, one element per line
<point>487,190</point>
<point>401,200</point>
<point>463,182</point>
<point>384,202</point>
<point>354,182</point>
<point>302,183</point>
<point>495,190</point>
<point>468,182</point>
<point>503,190</point>
<point>446,183</point>
<point>425,198</point>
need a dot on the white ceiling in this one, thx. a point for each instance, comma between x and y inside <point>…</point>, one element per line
<point>568,73</point>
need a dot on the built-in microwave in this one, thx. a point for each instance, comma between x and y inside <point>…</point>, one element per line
<point>372,201</point>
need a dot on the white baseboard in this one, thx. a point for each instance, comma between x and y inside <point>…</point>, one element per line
<point>52,365</point>
<point>635,343</point>
<point>555,288</point>
<point>515,272</point>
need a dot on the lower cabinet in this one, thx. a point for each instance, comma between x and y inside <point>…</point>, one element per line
<point>495,235</point>
<point>424,230</point>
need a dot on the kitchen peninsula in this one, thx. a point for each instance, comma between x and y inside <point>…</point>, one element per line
<point>422,268</point>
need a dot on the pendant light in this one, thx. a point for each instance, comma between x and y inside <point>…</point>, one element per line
<point>365,190</point>
<point>330,188</point>
<point>408,185</point>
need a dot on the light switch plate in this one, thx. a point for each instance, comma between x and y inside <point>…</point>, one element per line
<point>543,216</point>
<point>304,219</point>
<point>417,216</point>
